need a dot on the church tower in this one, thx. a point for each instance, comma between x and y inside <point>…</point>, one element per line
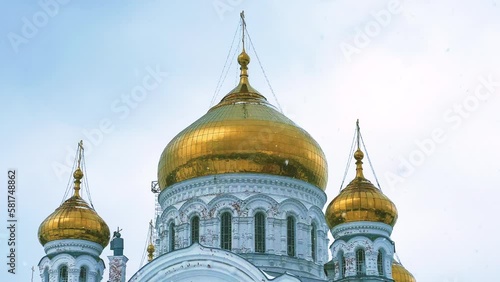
<point>361,219</point>
<point>245,179</point>
<point>73,238</point>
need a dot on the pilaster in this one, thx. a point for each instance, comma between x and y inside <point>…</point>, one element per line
<point>117,268</point>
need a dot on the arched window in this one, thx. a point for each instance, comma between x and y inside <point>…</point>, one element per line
<point>83,274</point>
<point>313,241</point>
<point>260,232</point>
<point>171,233</point>
<point>46,275</point>
<point>225,231</point>
<point>380,263</point>
<point>63,274</point>
<point>343,266</point>
<point>195,229</point>
<point>360,262</point>
<point>290,236</point>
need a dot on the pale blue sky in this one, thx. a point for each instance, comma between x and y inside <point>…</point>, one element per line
<point>410,79</point>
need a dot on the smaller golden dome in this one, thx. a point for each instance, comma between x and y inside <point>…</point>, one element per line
<point>360,201</point>
<point>74,219</point>
<point>151,250</point>
<point>401,274</point>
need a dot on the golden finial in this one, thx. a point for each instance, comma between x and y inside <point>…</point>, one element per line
<point>151,247</point>
<point>151,250</point>
<point>78,174</point>
<point>243,58</point>
<point>358,155</point>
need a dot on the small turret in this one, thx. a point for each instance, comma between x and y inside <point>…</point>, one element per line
<point>117,243</point>
<point>117,262</point>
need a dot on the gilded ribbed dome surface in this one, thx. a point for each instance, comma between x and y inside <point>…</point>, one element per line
<point>361,201</point>
<point>400,274</point>
<point>243,134</point>
<point>74,219</point>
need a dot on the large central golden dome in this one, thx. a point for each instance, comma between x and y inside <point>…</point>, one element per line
<point>243,134</point>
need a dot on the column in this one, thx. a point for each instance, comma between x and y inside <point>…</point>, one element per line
<point>117,268</point>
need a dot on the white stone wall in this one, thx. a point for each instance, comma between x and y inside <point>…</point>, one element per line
<point>83,254</point>
<point>243,195</point>
<point>349,237</point>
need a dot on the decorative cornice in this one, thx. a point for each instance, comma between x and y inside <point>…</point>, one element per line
<point>73,246</point>
<point>245,183</point>
<point>361,228</point>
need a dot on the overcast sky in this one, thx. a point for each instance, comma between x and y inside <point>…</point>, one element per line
<point>422,77</point>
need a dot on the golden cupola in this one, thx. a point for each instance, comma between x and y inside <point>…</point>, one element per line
<point>243,133</point>
<point>74,219</point>
<point>360,200</point>
<point>400,273</point>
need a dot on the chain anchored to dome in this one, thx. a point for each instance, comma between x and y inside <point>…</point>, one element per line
<point>243,92</point>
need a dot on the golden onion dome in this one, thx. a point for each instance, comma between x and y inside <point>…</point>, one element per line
<point>360,201</point>
<point>401,274</point>
<point>74,219</point>
<point>243,133</point>
<point>151,250</point>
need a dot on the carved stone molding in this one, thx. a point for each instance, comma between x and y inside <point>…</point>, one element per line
<point>244,183</point>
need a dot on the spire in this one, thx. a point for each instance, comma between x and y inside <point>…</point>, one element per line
<point>243,92</point>
<point>151,247</point>
<point>78,174</point>
<point>358,155</point>
<point>243,58</point>
<point>243,27</point>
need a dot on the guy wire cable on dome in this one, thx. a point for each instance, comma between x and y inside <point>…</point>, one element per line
<point>144,249</point>
<point>349,159</point>
<point>227,71</point>
<point>219,83</point>
<point>369,161</point>
<point>86,181</point>
<point>68,187</point>
<point>262,68</point>
<point>397,258</point>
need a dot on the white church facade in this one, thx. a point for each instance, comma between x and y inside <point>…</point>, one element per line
<point>242,196</point>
